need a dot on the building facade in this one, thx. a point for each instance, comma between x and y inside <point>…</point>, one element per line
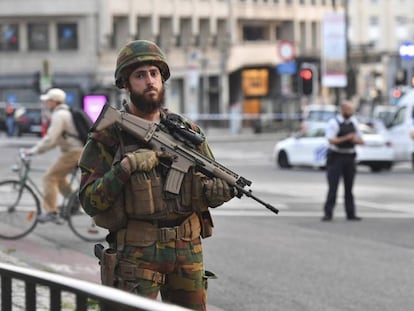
<point>377,29</point>
<point>222,53</point>
<point>48,41</point>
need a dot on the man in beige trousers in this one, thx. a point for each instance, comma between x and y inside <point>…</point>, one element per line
<point>63,134</point>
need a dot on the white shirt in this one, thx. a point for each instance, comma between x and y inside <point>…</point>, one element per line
<point>332,130</point>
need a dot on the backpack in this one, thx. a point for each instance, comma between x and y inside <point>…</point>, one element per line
<point>82,124</point>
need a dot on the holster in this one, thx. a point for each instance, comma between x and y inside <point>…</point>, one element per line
<point>108,263</point>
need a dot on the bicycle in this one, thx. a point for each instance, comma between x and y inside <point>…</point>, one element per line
<point>20,206</point>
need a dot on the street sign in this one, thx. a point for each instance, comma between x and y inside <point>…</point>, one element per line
<point>286,50</point>
<point>286,68</point>
<point>406,50</point>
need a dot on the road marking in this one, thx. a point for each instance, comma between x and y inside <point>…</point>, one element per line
<point>245,207</point>
<point>302,214</point>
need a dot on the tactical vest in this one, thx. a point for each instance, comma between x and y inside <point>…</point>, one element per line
<point>144,198</point>
<point>345,128</point>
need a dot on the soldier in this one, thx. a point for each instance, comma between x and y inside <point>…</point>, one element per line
<point>154,235</point>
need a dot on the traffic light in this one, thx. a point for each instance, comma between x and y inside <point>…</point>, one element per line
<point>306,82</point>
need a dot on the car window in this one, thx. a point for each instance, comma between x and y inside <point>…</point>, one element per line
<point>399,116</point>
<point>315,132</point>
<point>320,115</point>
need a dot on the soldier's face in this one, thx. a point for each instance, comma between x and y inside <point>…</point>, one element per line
<point>146,88</point>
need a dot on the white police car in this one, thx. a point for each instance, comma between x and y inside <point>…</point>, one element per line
<point>308,148</point>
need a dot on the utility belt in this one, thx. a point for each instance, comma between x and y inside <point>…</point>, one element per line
<point>342,151</point>
<point>146,233</point>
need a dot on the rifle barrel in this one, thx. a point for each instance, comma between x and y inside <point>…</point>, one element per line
<point>249,194</point>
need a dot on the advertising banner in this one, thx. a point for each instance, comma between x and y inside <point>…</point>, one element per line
<point>333,56</point>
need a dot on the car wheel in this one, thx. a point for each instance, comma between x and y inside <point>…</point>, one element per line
<point>387,166</point>
<point>283,160</point>
<point>375,168</point>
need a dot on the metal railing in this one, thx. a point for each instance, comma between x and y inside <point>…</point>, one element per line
<point>87,295</point>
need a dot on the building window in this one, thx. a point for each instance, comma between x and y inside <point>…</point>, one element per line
<point>67,36</point>
<point>9,37</point>
<point>38,35</point>
<point>373,20</point>
<point>253,33</point>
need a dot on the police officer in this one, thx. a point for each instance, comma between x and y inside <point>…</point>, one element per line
<point>343,134</point>
<point>154,234</point>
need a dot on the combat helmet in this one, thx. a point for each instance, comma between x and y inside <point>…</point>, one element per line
<point>136,52</point>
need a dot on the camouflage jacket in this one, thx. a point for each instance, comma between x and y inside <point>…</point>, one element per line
<point>103,178</point>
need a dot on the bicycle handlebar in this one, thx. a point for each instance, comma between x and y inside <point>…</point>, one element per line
<point>24,156</point>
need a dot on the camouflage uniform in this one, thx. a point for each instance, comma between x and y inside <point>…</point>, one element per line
<point>155,235</point>
<point>177,264</point>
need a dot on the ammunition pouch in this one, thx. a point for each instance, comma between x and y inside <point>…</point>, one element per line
<point>206,224</point>
<point>145,197</point>
<point>108,264</point>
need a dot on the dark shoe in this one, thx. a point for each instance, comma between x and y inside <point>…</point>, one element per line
<point>354,218</point>
<point>326,218</point>
<point>49,217</point>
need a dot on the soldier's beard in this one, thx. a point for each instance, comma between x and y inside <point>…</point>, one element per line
<point>146,104</point>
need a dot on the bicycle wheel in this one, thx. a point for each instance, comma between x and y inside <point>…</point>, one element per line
<point>19,208</point>
<point>82,224</point>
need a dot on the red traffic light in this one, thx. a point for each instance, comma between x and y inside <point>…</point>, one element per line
<point>306,74</point>
<point>396,93</point>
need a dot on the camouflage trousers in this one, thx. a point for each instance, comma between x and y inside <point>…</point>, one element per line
<point>182,264</point>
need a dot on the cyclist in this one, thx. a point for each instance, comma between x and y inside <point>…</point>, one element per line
<point>60,133</point>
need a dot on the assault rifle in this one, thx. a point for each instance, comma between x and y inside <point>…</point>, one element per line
<point>175,141</point>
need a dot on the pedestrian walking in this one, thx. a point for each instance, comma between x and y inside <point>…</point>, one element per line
<point>154,239</point>
<point>342,134</point>
<point>10,120</point>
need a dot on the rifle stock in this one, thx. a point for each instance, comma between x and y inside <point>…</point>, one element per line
<point>183,156</point>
